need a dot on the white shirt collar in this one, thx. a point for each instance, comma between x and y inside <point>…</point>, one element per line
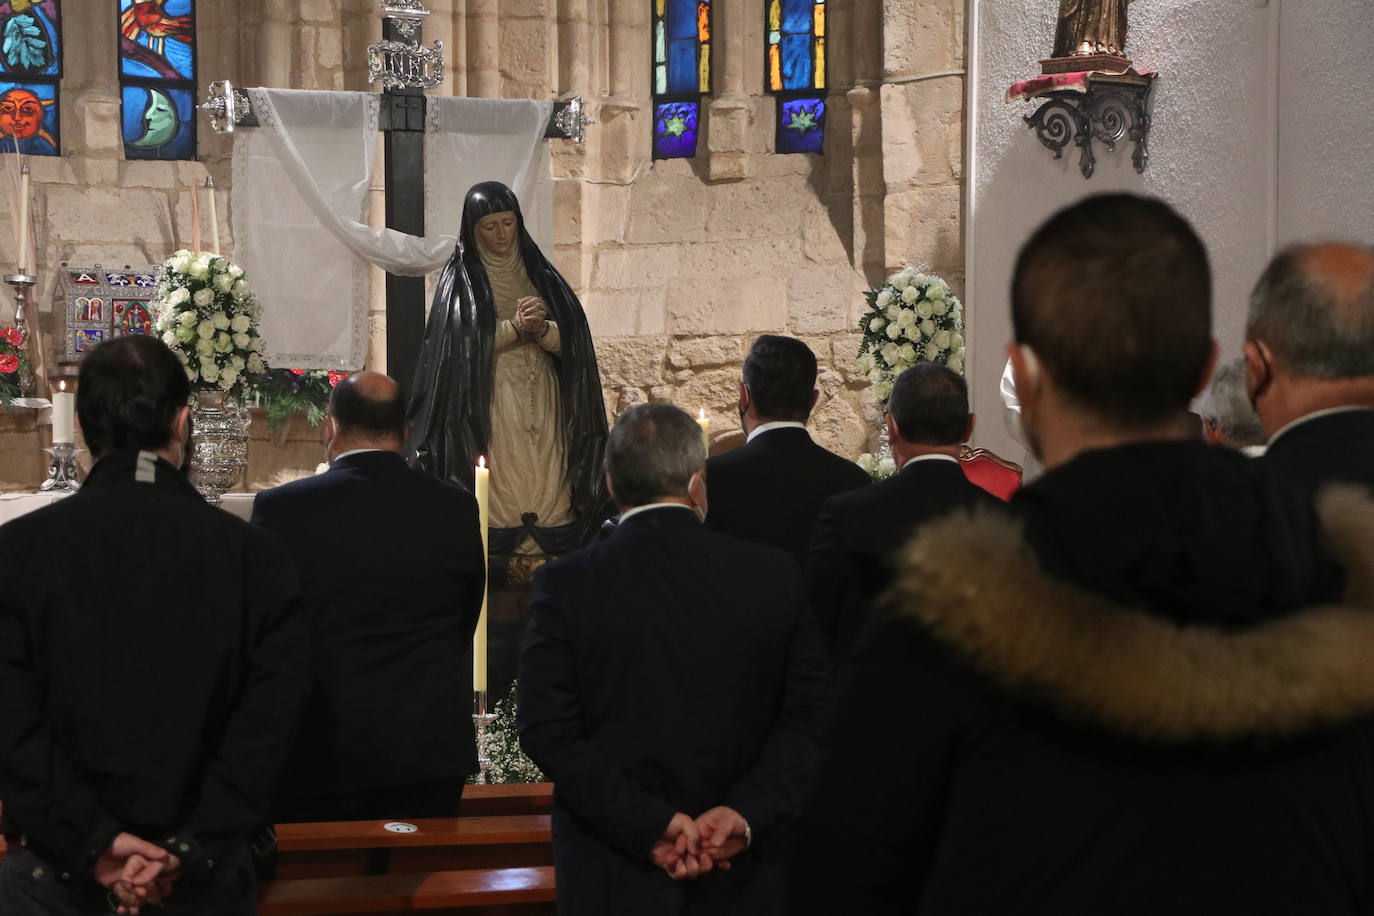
<point>911,461</point>
<point>355,451</point>
<point>1316,415</point>
<point>631,513</point>
<point>769,427</point>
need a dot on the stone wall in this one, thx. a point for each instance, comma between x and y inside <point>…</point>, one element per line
<point>679,263</point>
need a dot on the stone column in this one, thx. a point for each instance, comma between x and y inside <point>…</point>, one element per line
<point>730,111</point>
<point>456,48</point>
<point>484,44</point>
<point>574,49</point>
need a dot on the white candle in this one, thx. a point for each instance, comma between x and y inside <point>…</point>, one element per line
<point>479,639</point>
<point>63,414</point>
<point>23,259</point>
<point>214,217</point>
<point>705,425</point>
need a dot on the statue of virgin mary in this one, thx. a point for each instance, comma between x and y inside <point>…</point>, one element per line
<point>507,370</point>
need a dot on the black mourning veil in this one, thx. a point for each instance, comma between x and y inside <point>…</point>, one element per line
<point>450,402</point>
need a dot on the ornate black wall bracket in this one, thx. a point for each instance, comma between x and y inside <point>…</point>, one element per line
<point>1112,109</point>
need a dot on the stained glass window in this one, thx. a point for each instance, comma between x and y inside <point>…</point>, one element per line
<point>157,72</point>
<point>795,71</point>
<point>30,66</point>
<point>681,74</point>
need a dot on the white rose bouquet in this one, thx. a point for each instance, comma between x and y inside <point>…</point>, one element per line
<point>912,317</point>
<point>208,315</point>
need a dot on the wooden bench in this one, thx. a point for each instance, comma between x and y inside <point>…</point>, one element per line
<point>489,892</point>
<point>352,848</point>
<point>507,798</point>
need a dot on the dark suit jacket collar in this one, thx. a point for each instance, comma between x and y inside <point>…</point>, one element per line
<point>122,468</point>
<point>1317,428</point>
<point>665,517</point>
<point>913,468</point>
<point>786,437</point>
<point>373,459</point>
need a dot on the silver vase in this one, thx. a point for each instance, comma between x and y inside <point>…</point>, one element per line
<point>219,443</point>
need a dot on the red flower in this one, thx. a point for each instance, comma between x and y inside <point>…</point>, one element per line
<point>296,371</point>
<point>12,336</point>
<point>336,376</point>
<point>9,363</point>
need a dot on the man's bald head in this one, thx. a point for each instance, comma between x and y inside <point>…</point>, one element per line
<point>1314,308</point>
<point>367,408</point>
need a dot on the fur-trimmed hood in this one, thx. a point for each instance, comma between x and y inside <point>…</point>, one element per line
<point>976,584</point>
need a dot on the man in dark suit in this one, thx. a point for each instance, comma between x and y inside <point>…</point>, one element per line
<point>674,687</point>
<point>770,489</point>
<point>1103,704</point>
<point>858,533</point>
<point>146,703</point>
<point>1309,355</point>
<point>391,565</point>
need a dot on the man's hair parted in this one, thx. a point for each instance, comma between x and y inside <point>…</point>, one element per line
<point>652,452</point>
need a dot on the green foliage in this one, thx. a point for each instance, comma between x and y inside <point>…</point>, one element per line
<point>25,44</point>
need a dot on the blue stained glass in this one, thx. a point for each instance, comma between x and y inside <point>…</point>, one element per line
<point>796,61</point>
<point>29,115</point>
<point>157,39</point>
<point>675,129</point>
<point>801,125</point>
<point>158,122</point>
<point>796,15</point>
<point>682,66</point>
<point>31,39</point>
<point>682,19</point>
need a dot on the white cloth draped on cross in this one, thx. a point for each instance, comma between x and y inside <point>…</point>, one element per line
<point>300,213</point>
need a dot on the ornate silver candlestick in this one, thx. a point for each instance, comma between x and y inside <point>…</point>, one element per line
<point>63,474</point>
<point>22,283</point>
<point>481,719</point>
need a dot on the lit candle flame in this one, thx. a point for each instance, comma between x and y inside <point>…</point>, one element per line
<point>481,461</point>
<point>701,413</point>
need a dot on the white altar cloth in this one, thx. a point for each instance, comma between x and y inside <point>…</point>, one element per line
<point>13,505</point>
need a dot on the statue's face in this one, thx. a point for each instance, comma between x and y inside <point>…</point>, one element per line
<point>496,232</point>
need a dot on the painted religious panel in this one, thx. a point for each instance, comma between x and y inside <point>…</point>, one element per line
<point>157,70</point>
<point>29,113</point>
<point>104,304</point>
<point>681,74</point>
<point>30,38</point>
<point>795,71</point>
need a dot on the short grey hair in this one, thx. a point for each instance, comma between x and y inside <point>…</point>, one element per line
<point>652,453</point>
<point>1314,330</point>
<point>1226,405</point>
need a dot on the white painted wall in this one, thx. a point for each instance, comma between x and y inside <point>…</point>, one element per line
<point>1261,135</point>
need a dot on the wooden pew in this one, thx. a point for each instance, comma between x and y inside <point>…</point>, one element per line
<point>489,892</point>
<point>352,848</point>
<point>507,798</point>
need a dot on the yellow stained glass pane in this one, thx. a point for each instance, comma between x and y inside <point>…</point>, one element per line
<point>820,20</point>
<point>661,7</point>
<point>704,68</point>
<point>820,62</point>
<point>774,14</point>
<point>703,22</point>
<point>775,67</point>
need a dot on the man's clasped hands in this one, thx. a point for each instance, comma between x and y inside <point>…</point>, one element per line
<point>691,848</point>
<point>136,873</point>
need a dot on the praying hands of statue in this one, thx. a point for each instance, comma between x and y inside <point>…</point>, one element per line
<point>531,315</point>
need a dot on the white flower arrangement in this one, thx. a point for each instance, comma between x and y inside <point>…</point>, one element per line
<point>877,468</point>
<point>912,317</point>
<point>208,315</point>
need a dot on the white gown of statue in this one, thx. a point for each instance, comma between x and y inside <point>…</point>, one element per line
<point>528,463</point>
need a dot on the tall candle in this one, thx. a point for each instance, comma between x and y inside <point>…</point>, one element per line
<point>195,220</point>
<point>479,639</point>
<point>63,413</point>
<point>214,216</point>
<point>23,259</point>
<point>705,425</point>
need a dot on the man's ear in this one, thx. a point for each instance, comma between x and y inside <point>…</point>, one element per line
<point>610,488</point>
<point>893,433</point>
<point>179,424</point>
<point>815,396</point>
<point>968,433</point>
<point>1026,372</point>
<point>1207,370</point>
<point>1256,357</point>
<point>696,492</point>
<point>744,399</point>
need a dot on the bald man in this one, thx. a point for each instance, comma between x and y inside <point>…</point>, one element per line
<point>391,567</point>
<point>1309,359</point>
